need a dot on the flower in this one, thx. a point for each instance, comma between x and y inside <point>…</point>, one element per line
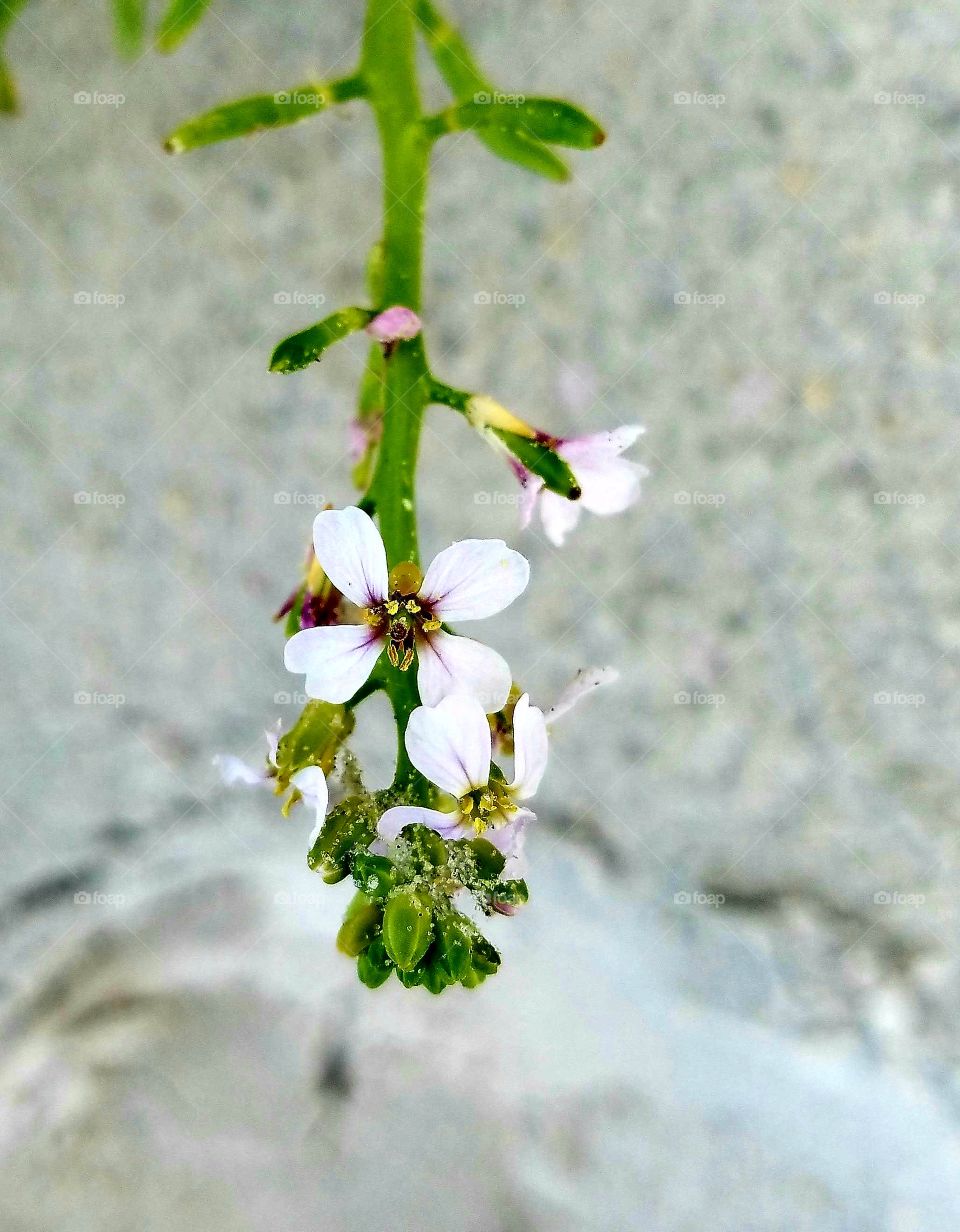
<point>608,483</point>
<point>235,770</point>
<point>312,785</point>
<point>403,611</point>
<point>451,745</point>
<point>396,324</point>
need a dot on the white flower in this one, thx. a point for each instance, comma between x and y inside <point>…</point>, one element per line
<point>235,770</point>
<point>312,785</point>
<point>403,612</point>
<point>608,483</point>
<point>451,745</point>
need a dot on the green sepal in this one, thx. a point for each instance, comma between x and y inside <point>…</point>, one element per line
<point>459,70</point>
<point>360,926</point>
<point>486,957</point>
<point>435,976</point>
<point>374,875</point>
<point>425,846</point>
<point>489,861</point>
<point>249,115</point>
<point>410,979</point>
<point>547,119</point>
<point>374,965</point>
<point>407,929</point>
<point>351,826</point>
<point>453,946</point>
<point>129,25</point>
<point>513,892</point>
<point>301,349</point>
<point>473,978</point>
<point>315,738</point>
<point>542,461</point>
<point>292,622</point>
<point>177,22</point>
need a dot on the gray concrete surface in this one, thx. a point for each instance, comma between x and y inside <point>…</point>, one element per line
<point>732,1001</point>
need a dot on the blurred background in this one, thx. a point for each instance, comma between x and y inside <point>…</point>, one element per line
<point>732,1000</point>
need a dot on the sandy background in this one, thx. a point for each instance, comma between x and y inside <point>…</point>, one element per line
<point>763,276</point>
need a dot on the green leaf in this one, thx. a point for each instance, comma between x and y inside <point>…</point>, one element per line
<point>301,349</point>
<point>177,22</point>
<point>548,119</point>
<point>459,70</point>
<point>129,25</point>
<point>541,460</point>
<point>9,10</point>
<point>250,115</point>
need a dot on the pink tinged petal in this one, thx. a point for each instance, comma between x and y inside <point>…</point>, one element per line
<point>337,659</point>
<point>474,579</point>
<point>312,785</point>
<point>530,748</point>
<point>528,500</point>
<point>397,324</point>
<point>450,744</point>
<point>233,770</point>
<point>351,554</point>
<point>599,446</point>
<point>559,516</point>
<point>585,681</point>
<point>508,838</point>
<point>611,487</point>
<point>448,825</point>
<point>451,664</point>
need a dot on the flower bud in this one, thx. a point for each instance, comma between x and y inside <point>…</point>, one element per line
<point>396,324</point>
<point>315,739</point>
<point>483,413</point>
<point>373,874</point>
<point>373,965</point>
<point>489,862</point>
<point>453,947</point>
<point>346,829</point>
<point>508,896</point>
<point>406,929</point>
<point>360,925</point>
<point>486,957</point>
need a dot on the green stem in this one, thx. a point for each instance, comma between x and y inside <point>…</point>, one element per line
<point>388,68</point>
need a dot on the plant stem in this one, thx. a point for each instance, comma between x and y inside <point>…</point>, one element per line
<point>388,68</point>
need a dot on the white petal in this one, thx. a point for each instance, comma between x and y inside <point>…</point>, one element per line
<point>451,664</point>
<point>508,838</point>
<point>351,554</point>
<point>337,659</point>
<point>528,500</point>
<point>610,487</point>
<point>558,515</point>
<point>450,744</point>
<point>234,770</point>
<point>599,446</point>
<point>474,579</point>
<point>273,741</point>
<point>529,748</point>
<point>586,680</point>
<point>393,821</point>
<point>312,785</point>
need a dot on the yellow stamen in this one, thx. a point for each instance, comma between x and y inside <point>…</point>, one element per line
<point>392,607</point>
<point>407,660</point>
<point>430,626</point>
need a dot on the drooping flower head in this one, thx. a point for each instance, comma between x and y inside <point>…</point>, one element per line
<point>451,745</point>
<point>404,611</point>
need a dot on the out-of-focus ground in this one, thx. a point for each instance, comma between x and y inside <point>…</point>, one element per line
<point>732,1001</point>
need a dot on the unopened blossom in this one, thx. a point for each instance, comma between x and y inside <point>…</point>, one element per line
<point>451,745</point>
<point>608,483</point>
<point>396,324</point>
<point>403,611</point>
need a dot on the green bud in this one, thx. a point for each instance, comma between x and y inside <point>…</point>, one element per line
<point>410,979</point>
<point>314,739</point>
<point>473,978</point>
<point>435,977</point>
<point>426,846</point>
<point>360,925</point>
<point>346,829</point>
<point>541,460</point>
<point>373,965</point>
<point>547,119</point>
<point>373,874</point>
<point>453,946</point>
<point>488,859</point>
<point>406,929</point>
<point>486,957</point>
<point>301,349</point>
<point>177,22</point>
<point>515,893</point>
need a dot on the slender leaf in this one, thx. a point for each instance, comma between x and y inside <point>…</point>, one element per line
<point>249,115</point>
<point>129,25</point>
<point>9,11</point>
<point>178,21</point>
<point>547,119</point>
<point>541,460</point>
<point>301,349</point>
<point>459,70</point>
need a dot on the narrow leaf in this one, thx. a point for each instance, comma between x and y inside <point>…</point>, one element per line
<point>178,21</point>
<point>459,70</point>
<point>129,25</point>
<point>249,115</point>
<point>542,461</point>
<point>301,349</point>
<point>548,119</point>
